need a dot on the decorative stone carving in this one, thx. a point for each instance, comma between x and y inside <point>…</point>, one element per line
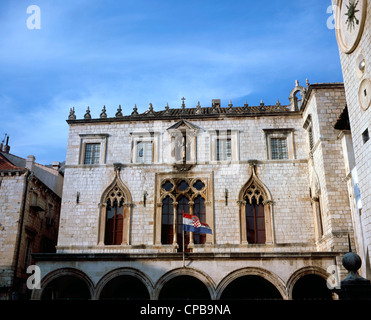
<point>135,111</point>
<point>167,111</point>
<point>87,114</point>
<point>198,108</point>
<point>103,113</point>
<point>72,115</point>
<point>150,110</point>
<point>119,112</point>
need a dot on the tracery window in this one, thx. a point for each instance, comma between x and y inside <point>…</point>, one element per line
<point>182,195</point>
<point>114,217</point>
<point>255,211</point>
<point>115,214</point>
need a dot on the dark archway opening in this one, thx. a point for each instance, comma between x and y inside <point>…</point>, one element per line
<point>66,288</point>
<point>184,288</point>
<point>251,288</point>
<point>125,287</point>
<point>311,287</point>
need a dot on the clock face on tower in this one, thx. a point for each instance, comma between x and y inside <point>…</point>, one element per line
<point>350,21</point>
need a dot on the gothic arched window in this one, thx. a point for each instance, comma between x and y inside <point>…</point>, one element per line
<point>115,215</point>
<point>256,207</point>
<point>180,195</point>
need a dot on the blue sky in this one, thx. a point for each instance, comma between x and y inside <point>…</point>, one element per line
<point>105,52</point>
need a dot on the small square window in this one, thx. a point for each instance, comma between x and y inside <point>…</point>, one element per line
<point>92,153</point>
<point>279,148</point>
<point>144,152</point>
<point>223,149</point>
<point>365,136</point>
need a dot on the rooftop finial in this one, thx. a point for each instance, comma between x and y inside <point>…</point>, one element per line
<point>246,104</point>
<point>103,113</point>
<point>198,108</point>
<point>72,115</point>
<point>150,109</point>
<point>307,82</point>
<point>167,111</point>
<point>119,112</point>
<point>296,83</point>
<point>87,114</point>
<point>183,104</point>
<point>135,110</point>
<point>230,107</point>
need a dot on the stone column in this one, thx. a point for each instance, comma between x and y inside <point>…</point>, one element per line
<point>269,238</point>
<point>242,205</point>
<point>102,224</point>
<point>175,224</point>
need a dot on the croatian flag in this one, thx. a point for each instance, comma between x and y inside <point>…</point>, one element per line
<point>191,223</point>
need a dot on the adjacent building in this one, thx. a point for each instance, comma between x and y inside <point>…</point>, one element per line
<point>30,199</point>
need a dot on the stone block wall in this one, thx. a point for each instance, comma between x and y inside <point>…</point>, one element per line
<point>11,191</point>
<point>327,163</point>
<point>287,181</point>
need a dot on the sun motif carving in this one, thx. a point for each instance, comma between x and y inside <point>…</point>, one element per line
<point>352,20</point>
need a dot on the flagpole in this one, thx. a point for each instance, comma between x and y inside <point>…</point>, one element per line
<point>183,241</point>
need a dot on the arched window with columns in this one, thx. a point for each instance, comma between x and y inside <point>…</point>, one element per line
<point>178,195</point>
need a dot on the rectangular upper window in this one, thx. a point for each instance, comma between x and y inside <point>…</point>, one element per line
<point>223,149</point>
<point>224,145</point>
<point>280,144</point>
<point>144,152</point>
<point>145,147</point>
<point>92,153</point>
<point>93,148</point>
<point>279,148</point>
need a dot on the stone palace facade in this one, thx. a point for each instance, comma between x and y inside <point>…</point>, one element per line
<point>270,181</point>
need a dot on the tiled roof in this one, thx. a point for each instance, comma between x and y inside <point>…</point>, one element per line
<point>6,165</point>
<point>192,113</point>
<point>220,110</point>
